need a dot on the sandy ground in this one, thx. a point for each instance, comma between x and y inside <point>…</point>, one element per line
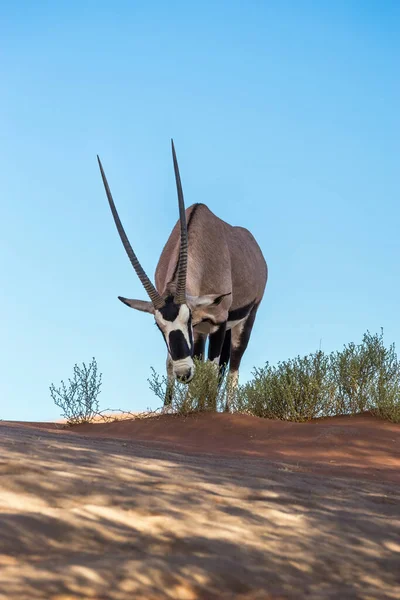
<point>207,507</point>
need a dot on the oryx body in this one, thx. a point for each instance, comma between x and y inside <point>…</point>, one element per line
<point>209,282</point>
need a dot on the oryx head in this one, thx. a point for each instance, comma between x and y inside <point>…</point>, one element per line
<point>173,312</point>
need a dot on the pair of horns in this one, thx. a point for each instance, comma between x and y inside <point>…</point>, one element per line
<point>157,300</point>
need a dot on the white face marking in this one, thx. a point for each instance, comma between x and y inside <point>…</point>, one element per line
<point>180,323</point>
<point>181,367</point>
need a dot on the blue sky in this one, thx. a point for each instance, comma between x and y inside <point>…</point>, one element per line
<point>285,117</point>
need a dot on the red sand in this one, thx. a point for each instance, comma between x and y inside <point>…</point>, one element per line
<point>207,507</point>
<point>359,446</point>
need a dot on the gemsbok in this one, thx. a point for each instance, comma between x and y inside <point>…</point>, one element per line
<point>209,282</point>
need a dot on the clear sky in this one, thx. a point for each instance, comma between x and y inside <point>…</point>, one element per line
<point>285,117</point>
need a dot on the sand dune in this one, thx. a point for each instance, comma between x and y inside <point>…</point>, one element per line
<point>208,506</point>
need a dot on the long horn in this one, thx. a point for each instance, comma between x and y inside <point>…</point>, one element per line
<point>180,295</point>
<point>155,297</point>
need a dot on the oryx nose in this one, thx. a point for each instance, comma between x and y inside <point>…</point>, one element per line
<point>186,376</point>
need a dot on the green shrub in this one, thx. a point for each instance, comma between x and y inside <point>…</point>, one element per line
<point>79,402</point>
<point>298,389</point>
<point>384,389</point>
<point>367,377</point>
<point>201,394</point>
<point>353,370</point>
<point>359,378</point>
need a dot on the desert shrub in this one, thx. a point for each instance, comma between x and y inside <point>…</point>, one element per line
<point>258,397</point>
<point>384,387</point>
<point>387,401</point>
<point>363,377</point>
<point>298,389</point>
<point>78,401</point>
<point>353,370</point>
<point>367,377</point>
<point>201,394</point>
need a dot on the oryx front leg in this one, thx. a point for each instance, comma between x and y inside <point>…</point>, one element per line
<point>215,351</point>
<point>170,382</point>
<point>216,341</point>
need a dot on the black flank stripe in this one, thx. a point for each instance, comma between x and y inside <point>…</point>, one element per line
<point>240,313</point>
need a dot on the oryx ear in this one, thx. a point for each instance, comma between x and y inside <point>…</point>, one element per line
<point>206,300</point>
<point>142,305</point>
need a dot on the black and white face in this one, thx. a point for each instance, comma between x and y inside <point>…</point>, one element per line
<point>175,323</point>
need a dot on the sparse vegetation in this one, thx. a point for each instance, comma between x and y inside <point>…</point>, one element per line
<point>298,389</point>
<point>359,378</point>
<point>363,377</point>
<point>201,394</point>
<point>78,401</point>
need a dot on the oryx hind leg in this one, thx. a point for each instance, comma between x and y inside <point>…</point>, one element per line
<point>240,336</point>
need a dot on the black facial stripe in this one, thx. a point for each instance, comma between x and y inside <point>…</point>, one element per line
<point>178,347</point>
<point>170,310</point>
<point>240,313</point>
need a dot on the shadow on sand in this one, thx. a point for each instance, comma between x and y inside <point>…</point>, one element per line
<point>89,518</point>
